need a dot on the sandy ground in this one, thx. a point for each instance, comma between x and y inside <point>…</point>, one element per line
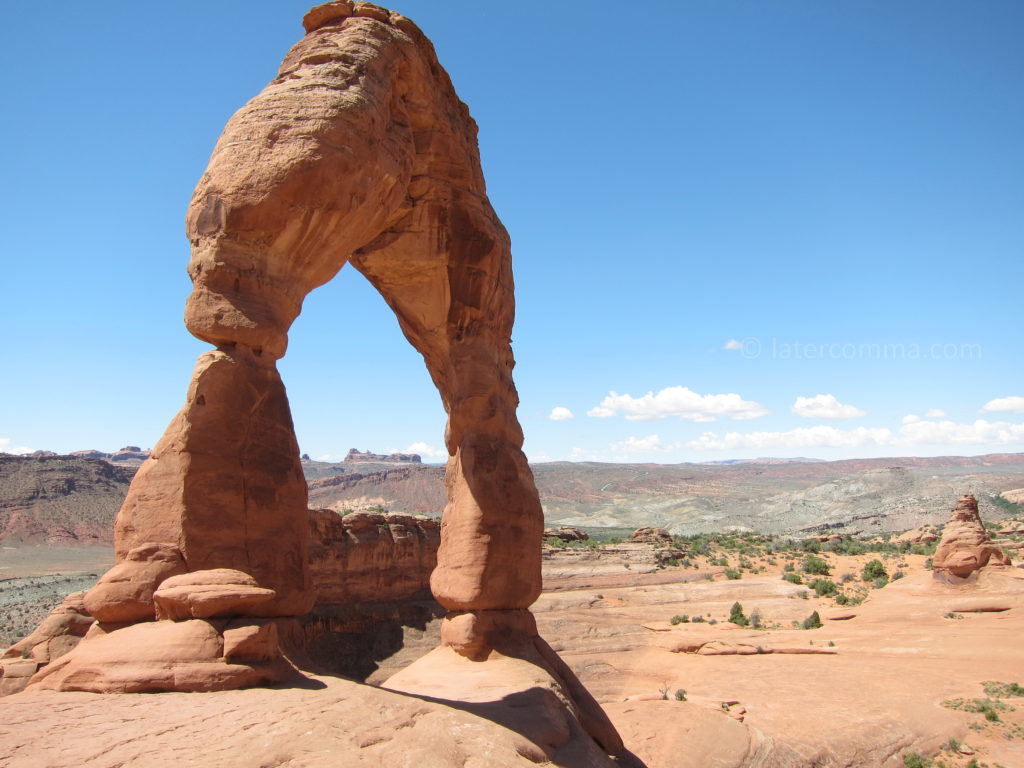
<point>875,683</point>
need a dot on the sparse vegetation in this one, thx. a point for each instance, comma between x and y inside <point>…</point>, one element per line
<point>916,760</point>
<point>812,622</point>
<point>736,616</point>
<point>816,566</point>
<point>824,587</point>
<point>873,571</point>
<point>680,619</point>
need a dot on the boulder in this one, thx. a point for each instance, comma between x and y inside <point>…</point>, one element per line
<point>219,592</point>
<point>125,592</point>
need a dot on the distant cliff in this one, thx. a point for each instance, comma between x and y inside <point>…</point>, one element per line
<point>60,500</point>
<point>396,458</point>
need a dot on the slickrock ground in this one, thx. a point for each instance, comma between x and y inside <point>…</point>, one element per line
<point>861,691</point>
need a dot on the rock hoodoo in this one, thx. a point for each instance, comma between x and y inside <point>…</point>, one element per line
<point>358,151</point>
<point>965,546</point>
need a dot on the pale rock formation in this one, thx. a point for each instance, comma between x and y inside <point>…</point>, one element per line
<point>965,545</point>
<point>359,150</point>
<point>923,535</point>
<point>657,536</point>
<point>565,533</point>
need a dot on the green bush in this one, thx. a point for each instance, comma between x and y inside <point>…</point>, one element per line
<point>823,587</point>
<point>873,571</point>
<point>736,616</point>
<point>680,694</point>
<point>732,574</point>
<point>792,578</point>
<point>698,619</point>
<point>915,760</point>
<point>812,622</point>
<point>680,619</point>
<point>816,566</point>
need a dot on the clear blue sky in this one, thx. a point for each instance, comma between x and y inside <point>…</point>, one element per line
<point>836,188</point>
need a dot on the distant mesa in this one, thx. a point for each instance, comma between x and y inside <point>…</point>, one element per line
<point>355,455</point>
<point>130,455</point>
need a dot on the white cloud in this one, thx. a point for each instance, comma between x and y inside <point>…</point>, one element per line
<point>427,451</point>
<point>642,445</point>
<point>825,407</point>
<point>6,447</point>
<point>333,458</point>
<point>1012,404</point>
<point>915,431</point>
<point>558,413</point>
<point>680,402</point>
<point>935,413</point>
<point>733,344</point>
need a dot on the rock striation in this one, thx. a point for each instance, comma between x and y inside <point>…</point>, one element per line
<point>365,557</point>
<point>360,151</point>
<point>965,546</point>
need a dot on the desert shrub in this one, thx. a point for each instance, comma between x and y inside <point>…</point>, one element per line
<point>792,578</point>
<point>953,745</point>
<point>816,566</point>
<point>880,582</point>
<point>732,574</point>
<point>873,571</point>
<point>952,615</point>
<point>755,619</point>
<point>812,622</point>
<point>898,575</point>
<point>680,694</point>
<point>1002,690</point>
<point>847,578</point>
<point>789,568</point>
<point>823,587</point>
<point>810,545</point>
<point>736,615</point>
<point>698,620</point>
<point>680,619</point>
<point>915,760</point>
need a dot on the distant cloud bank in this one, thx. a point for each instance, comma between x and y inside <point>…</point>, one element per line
<point>1012,404</point>
<point>680,402</point>
<point>825,407</point>
<point>914,432</point>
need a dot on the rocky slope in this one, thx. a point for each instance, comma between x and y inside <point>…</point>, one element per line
<point>65,500</point>
<point>59,500</point>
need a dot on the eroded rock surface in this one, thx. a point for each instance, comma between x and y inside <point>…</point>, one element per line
<point>965,546</point>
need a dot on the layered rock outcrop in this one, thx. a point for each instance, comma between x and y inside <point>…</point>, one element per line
<point>358,151</point>
<point>965,546</point>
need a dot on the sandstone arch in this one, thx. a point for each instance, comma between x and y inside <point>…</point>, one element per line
<point>358,151</point>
